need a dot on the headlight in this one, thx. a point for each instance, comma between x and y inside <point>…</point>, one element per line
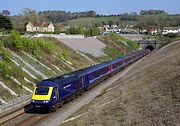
<point>45,101</point>
<point>32,100</point>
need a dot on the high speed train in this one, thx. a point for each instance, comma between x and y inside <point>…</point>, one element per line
<point>54,92</point>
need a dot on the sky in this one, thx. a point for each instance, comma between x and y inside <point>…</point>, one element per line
<point>100,6</point>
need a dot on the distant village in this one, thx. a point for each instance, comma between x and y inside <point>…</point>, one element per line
<point>130,30</point>
<point>32,24</point>
<point>49,27</point>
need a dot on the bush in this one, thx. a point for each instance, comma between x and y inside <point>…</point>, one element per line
<point>92,32</point>
<point>4,70</point>
<point>75,30</point>
<point>17,39</point>
<point>35,45</point>
<point>171,35</point>
<point>4,54</point>
<point>65,55</point>
<point>87,32</point>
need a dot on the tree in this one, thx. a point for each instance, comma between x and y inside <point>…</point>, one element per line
<point>177,20</point>
<point>57,28</point>
<point>110,23</point>
<point>148,12</point>
<point>148,22</point>
<point>27,15</point>
<point>6,13</point>
<point>94,31</point>
<point>5,23</point>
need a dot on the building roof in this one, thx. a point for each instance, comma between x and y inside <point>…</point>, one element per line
<point>40,24</point>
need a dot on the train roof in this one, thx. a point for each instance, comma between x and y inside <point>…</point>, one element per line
<point>117,59</point>
<point>73,76</point>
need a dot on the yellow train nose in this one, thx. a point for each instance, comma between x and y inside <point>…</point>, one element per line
<point>42,93</point>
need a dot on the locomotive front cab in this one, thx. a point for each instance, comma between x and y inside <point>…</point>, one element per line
<point>42,97</point>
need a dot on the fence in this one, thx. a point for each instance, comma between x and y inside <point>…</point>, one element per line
<point>15,103</point>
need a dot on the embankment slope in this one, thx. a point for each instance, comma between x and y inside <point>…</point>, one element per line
<point>147,96</point>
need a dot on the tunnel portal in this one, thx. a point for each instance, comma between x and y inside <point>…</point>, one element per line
<point>150,47</point>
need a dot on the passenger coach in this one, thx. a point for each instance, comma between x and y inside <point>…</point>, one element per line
<point>53,92</point>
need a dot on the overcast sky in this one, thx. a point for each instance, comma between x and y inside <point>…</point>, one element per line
<point>100,6</point>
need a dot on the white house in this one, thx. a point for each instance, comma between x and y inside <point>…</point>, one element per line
<point>167,30</point>
<point>40,27</point>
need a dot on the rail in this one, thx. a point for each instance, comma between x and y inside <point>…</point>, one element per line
<point>15,103</point>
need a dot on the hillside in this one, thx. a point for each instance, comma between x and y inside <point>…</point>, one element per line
<point>147,96</point>
<point>122,20</point>
<point>26,61</point>
<point>103,47</point>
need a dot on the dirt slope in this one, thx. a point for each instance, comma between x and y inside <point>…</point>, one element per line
<point>149,95</point>
<point>87,45</point>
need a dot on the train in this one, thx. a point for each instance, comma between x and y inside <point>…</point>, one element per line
<point>52,93</point>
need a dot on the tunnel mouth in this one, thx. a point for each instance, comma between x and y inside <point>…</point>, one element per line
<point>150,47</point>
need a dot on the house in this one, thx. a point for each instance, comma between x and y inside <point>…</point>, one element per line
<point>40,27</point>
<point>108,28</point>
<point>167,30</point>
<point>153,31</point>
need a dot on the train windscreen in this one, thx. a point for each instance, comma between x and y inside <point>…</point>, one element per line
<point>42,90</point>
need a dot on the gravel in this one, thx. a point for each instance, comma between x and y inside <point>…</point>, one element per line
<point>86,45</point>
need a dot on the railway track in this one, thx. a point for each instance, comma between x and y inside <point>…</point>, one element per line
<point>13,117</point>
<point>23,116</point>
<point>27,116</point>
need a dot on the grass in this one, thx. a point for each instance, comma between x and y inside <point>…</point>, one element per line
<point>88,22</point>
<point>59,55</point>
<point>117,46</point>
<point>112,52</point>
<point>5,95</point>
<point>37,65</point>
<point>83,22</point>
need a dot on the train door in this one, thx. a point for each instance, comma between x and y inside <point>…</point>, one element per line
<point>82,81</point>
<point>110,68</point>
<point>56,92</point>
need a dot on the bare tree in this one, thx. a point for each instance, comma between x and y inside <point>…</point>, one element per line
<point>27,15</point>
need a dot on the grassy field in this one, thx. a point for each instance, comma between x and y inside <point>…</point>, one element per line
<point>88,22</point>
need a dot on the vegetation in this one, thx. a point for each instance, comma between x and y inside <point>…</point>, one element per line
<point>5,23</point>
<point>147,19</point>
<point>118,46</point>
<point>87,32</point>
<point>150,12</point>
<point>62,16</point>
<point>34,45</point>
<point>147,22</point>
<point>5,13</point>
<point>39,56</point>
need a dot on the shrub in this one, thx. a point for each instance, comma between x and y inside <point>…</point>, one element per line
<point>4,70</point>
<point>65,55</point>
<point>171,35</point>
<point>34,45</point>
<point>4,54</point>
<point>17,38</point>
